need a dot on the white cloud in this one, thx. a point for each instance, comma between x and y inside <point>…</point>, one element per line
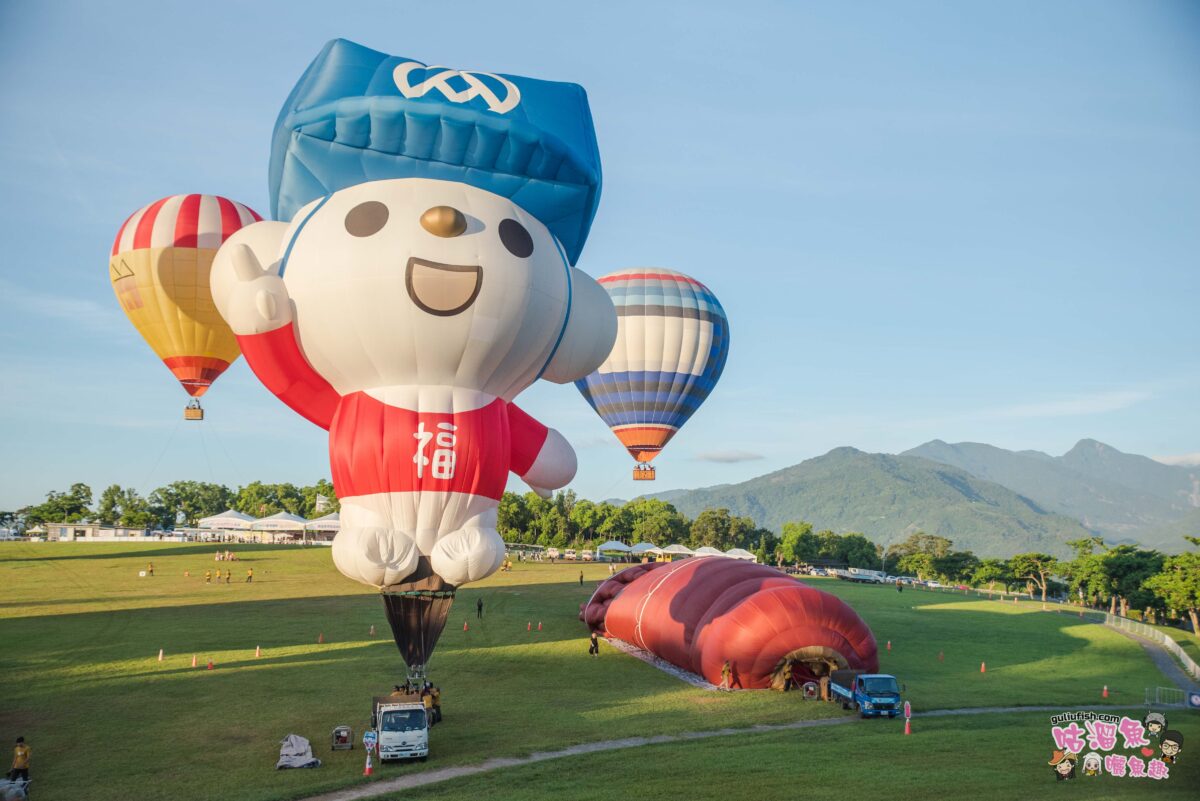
<point>1097,403</point>
<point>728,457</point>
<point>1180,460</point>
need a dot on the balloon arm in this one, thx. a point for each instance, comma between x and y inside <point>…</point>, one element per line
<point>253,300</point>
<point>276,359</point>
<point>539,455</point>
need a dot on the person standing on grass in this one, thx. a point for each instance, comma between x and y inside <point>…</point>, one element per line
<point>580,578</point>
<point>726,675</point>
<point>479,608</point>
<point>150,569</point>
<point>22,755</point>
<point>899,586</point>
<point>250,575</point>
<point>228,576</point>
<point>208,577</point>
<point>436,693</point>
<point>594,647</point>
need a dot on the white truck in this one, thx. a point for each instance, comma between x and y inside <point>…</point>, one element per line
<point>402,727</point>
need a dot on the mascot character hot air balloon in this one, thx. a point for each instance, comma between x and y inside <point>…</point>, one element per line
<point>420,279</point>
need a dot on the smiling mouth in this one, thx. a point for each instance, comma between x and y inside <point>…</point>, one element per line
<point>442,289</point>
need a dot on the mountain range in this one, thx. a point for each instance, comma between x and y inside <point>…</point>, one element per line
<point>986,499</point>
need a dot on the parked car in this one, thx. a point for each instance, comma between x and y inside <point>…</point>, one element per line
<point>569,554</point>
<point>587,556</point>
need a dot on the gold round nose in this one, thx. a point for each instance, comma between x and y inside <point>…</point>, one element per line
<point>444,221</point>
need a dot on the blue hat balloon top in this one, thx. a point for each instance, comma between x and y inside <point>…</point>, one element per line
<point>359,115</point>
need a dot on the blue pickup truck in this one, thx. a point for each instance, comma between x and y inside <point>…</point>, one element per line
<point>872,694</point>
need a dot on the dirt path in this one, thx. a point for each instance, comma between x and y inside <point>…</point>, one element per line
<point>1163,661</point>
<point>386,786</point>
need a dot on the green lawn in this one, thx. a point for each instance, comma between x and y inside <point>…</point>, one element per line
<point>80,633</point>
<point>986,757</point>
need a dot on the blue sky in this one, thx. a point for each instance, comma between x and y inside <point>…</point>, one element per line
<point>969,221</point>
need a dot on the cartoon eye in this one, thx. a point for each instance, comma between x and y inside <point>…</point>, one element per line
<point>366,218</point>
<point>516,238</point>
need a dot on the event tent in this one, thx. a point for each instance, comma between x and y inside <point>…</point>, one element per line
<point>678,550</point>
<point>283,521</point>
<point>708,550</point>
<point>228,520</point>
<point>741,553</point>
<point>612,545</point>
<point>327,523</point>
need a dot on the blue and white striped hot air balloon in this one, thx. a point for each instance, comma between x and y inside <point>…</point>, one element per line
<point>672,343</point>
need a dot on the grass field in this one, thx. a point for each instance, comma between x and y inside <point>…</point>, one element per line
<point>79,676</point>
<point>992,757</point>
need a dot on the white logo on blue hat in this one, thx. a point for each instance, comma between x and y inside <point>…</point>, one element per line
<point>441,82</point>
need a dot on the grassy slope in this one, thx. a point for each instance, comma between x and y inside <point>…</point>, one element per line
<point>79,633</point>
<point>1002,756</point>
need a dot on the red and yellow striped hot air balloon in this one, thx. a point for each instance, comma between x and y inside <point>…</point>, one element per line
<point>159,269</point>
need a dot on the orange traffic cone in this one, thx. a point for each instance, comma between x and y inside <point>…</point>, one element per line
<point>465,626</point>
<point>539,625</point>
<point>907,726</point>
<point>159,654</point>
<point>367,769</point>
<point>1105,693</point>
<point>193,660</point>
<point>321,638</point>
<point>257,651</point>
<point>210,665</point>
<point>371,633</point>
<point>983,667</point>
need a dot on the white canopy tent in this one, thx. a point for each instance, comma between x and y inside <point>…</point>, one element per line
<point>741,553</point>
<point>644,547</point>
<point>708,550</point>
<point>678,550</point>
<point>281,521</point>
<point>329,522</point>
<point>612,546</point>
<point>229,520</point>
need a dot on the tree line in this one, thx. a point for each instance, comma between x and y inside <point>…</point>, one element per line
<point>1124,579</point>
<point>181,503</point>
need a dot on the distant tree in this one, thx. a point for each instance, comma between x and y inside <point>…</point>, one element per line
<point>956,566</point>
<point>656,521</point>
<point>991,572</point>
<point>108,510</point>
<point>585,519</point>
<point>512,518</point>
<point>617,522</point>
<point>72,506</point>
<point>310,494</point>
<point>711,528</point>
<point>1035,568</point>
<point>1126,568</point>
<point>261,500</point>
<point>1177,584</point>
<point>920,542</point>
<point>797,543</point>
<point>857,551</point>
<point>918,564</point>
<point>188,502</point>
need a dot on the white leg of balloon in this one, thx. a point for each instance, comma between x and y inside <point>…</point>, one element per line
<point>404,316</point>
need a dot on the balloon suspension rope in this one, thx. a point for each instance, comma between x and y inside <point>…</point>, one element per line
<point>204,447</point>
<point>146,488</point>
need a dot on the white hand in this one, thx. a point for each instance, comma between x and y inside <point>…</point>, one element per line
<point>252,300</point>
